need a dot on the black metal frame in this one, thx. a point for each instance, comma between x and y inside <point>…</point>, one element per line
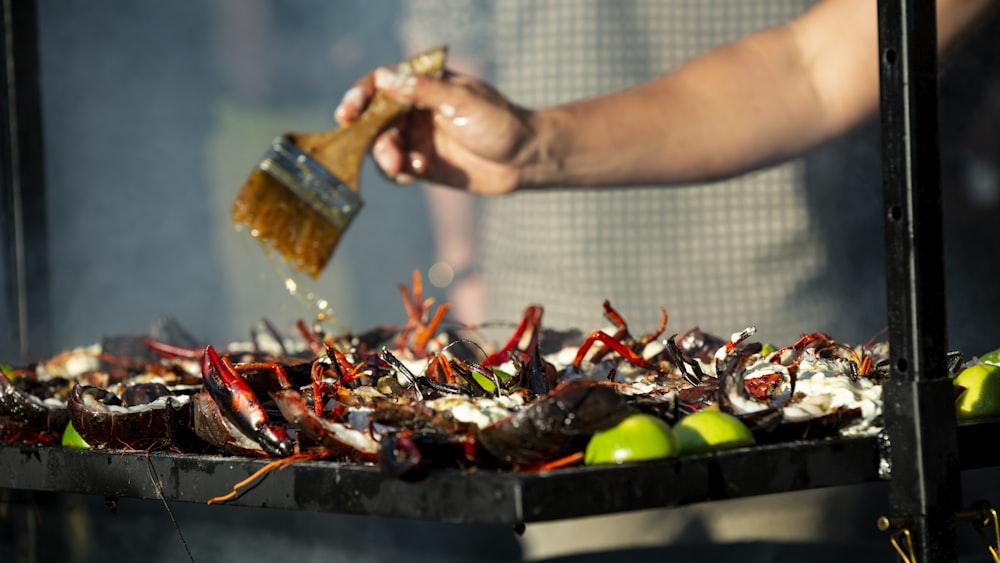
<point>451,495</point>
<point>481,497</point>
<point>918,455</point>
<point>22,198</point>
<point>924,479</point>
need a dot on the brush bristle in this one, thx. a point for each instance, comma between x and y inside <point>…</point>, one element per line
<point>276,216</point>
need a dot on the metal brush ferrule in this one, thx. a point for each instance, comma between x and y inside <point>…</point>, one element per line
<point>310,181</point>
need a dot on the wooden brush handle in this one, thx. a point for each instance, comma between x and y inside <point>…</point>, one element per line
<point>342,151</point>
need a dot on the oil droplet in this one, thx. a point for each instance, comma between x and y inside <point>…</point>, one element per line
<point>298,288</point>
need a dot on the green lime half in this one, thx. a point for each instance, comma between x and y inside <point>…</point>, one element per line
<point>992,357</point>
<point>640,437</point>
<point>710,430</point>
<point>981,396</point>
<point>72,439</point>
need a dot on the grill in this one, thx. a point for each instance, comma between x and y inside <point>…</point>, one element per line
<point>920,455</point>
<point>452,496</point>
<point>483,497</point>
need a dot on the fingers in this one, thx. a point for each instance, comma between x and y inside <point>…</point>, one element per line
<point>400,165</point>
<point>388,153</point>
<point>355,100</point>
<point>440,96</point>
<point>398,85</point>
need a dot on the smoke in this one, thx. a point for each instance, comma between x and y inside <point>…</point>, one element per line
<point>155,113</point>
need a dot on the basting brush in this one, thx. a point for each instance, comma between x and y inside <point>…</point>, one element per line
<point>305,191</point>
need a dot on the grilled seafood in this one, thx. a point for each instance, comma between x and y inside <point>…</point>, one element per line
<point>240,406</point>
<point>336,439</point>
<point>32,411</point>
<point>814,380</point>
<point>554,424</point>
<point>147,415</point>
<point>210,425</point>
<point>37,402</point>
<point>442,406</point>
<point>415,397</point>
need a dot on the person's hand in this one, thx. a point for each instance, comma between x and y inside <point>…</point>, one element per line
<point>461,133</point>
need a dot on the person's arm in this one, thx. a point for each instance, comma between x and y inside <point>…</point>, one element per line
<point>759,100</point>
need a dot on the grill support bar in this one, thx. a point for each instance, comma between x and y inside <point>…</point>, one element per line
<point>24,275</point>
<point>924,485</point>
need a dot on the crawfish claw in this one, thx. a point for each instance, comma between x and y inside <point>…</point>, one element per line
<point>240,406</point>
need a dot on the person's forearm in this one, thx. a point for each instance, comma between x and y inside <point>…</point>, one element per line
<point>733,109</point>
<point>763,99</point>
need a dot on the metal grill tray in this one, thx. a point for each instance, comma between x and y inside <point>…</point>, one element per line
<point>487,497</point>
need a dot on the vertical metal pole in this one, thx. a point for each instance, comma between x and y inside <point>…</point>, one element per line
<point>24,272</point>
<point>924,487</point>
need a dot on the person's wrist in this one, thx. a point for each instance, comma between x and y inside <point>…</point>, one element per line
<point>541,163</point>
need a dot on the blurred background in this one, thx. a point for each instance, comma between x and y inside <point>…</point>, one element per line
<point>154,116</point>
<point>154,113</point>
